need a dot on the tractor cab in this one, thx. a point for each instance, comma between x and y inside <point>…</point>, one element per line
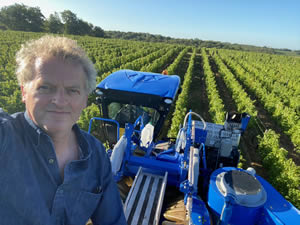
<point>126,96</point>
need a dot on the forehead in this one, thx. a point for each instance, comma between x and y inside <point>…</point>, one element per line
<point>58,71</point>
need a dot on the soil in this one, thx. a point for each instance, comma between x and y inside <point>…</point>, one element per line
<point>198,100</point>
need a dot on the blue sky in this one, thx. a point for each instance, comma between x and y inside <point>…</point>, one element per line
<point>271,23</point>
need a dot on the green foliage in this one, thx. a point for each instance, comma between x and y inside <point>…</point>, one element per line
<point>53,24</point>
<point>21,17</point>
<point>284,175</point>
<point>12,103</point>
<point>174,66</point>
<point>216,106</point>
<point>240,96</point>
<point>159,64</point>
<point>88,113</point>
<point>276,87</point>
<point>182,101</point>
<point>97,32</point>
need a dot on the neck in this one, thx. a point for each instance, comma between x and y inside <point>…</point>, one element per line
<point>63,139</point>
<point>66,149</point>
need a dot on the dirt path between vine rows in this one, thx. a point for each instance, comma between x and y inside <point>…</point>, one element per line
<point>198,100</point>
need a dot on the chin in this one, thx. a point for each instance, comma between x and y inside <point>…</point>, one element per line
<point>57,127</point>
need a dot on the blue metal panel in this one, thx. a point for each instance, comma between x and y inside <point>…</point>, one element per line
<point>153,166</point>
<point>276,209</point>
<point>282,210</point>
<point>238,213</point>
<point>142,82</point>
<point>199,214</point>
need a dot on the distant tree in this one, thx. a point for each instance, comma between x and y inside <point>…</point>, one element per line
<point>53,24</point>
<point>35,19</point>
<point>21,17</point>
<point>84,28</point>
<point>98,32</point>
<point>70,22</point>
<point>74,25</point>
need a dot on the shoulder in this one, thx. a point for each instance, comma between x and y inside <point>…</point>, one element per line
<point>7,120</point>
<point>4,116</point>
<point>9,124</point>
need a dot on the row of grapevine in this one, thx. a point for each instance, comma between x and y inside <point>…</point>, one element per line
<point>282,69</point>
<point>216,106</point>
<point>181,103</point>
<point>240,96</point>
<point>285,116</point>
<point>283,173</point>
<point>139,63</point>
<point>158,65</point>
<point>287,95</point>
<point>111,63</point>
<point>173,67</point>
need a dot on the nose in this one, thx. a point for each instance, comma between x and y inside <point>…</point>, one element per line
<point>59,98</point>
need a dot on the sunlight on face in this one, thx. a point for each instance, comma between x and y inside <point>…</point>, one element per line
<point>57,95</point>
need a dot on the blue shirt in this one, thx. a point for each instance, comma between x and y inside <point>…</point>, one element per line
<point>32,191</point>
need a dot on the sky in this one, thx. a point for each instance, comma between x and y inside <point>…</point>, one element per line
<point>270,23</point>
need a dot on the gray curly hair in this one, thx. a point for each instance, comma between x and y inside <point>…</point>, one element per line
<point>48,46</point>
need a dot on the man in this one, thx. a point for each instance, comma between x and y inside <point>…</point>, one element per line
<point>51,172</point>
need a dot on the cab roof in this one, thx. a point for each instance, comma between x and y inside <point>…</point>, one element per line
<point>165,86</point>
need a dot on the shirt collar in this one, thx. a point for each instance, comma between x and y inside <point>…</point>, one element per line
<point>35,133</point>
<point>84,149</point>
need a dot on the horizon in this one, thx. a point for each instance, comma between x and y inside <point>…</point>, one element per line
<point>272,24</point>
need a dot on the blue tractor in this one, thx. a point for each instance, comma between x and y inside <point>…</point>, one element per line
<point>190,179</point>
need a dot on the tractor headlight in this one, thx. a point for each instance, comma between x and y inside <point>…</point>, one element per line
<point>168,101</point>
<point>98,92</point>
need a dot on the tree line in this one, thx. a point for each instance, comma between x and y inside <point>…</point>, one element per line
<point>20,17</point>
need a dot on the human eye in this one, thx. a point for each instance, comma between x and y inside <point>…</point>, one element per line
<point>73,91</point>
<point>44,89</point>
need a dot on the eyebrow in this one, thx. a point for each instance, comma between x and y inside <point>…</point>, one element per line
<point>51,84</point>
<point>74,86</point>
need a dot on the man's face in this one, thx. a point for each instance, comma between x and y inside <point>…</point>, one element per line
<point>56,96</point>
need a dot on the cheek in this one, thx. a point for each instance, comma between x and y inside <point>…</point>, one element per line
<point>79,105</point>
<point>41,101</point>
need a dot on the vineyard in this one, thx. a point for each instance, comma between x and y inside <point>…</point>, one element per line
<point>214,82</point>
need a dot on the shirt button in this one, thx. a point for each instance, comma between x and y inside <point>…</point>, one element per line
<point>51,161</point>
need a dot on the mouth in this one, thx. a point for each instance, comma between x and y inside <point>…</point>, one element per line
<point>59,112</point>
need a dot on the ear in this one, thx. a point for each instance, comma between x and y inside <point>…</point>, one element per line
<point>23,90</point>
